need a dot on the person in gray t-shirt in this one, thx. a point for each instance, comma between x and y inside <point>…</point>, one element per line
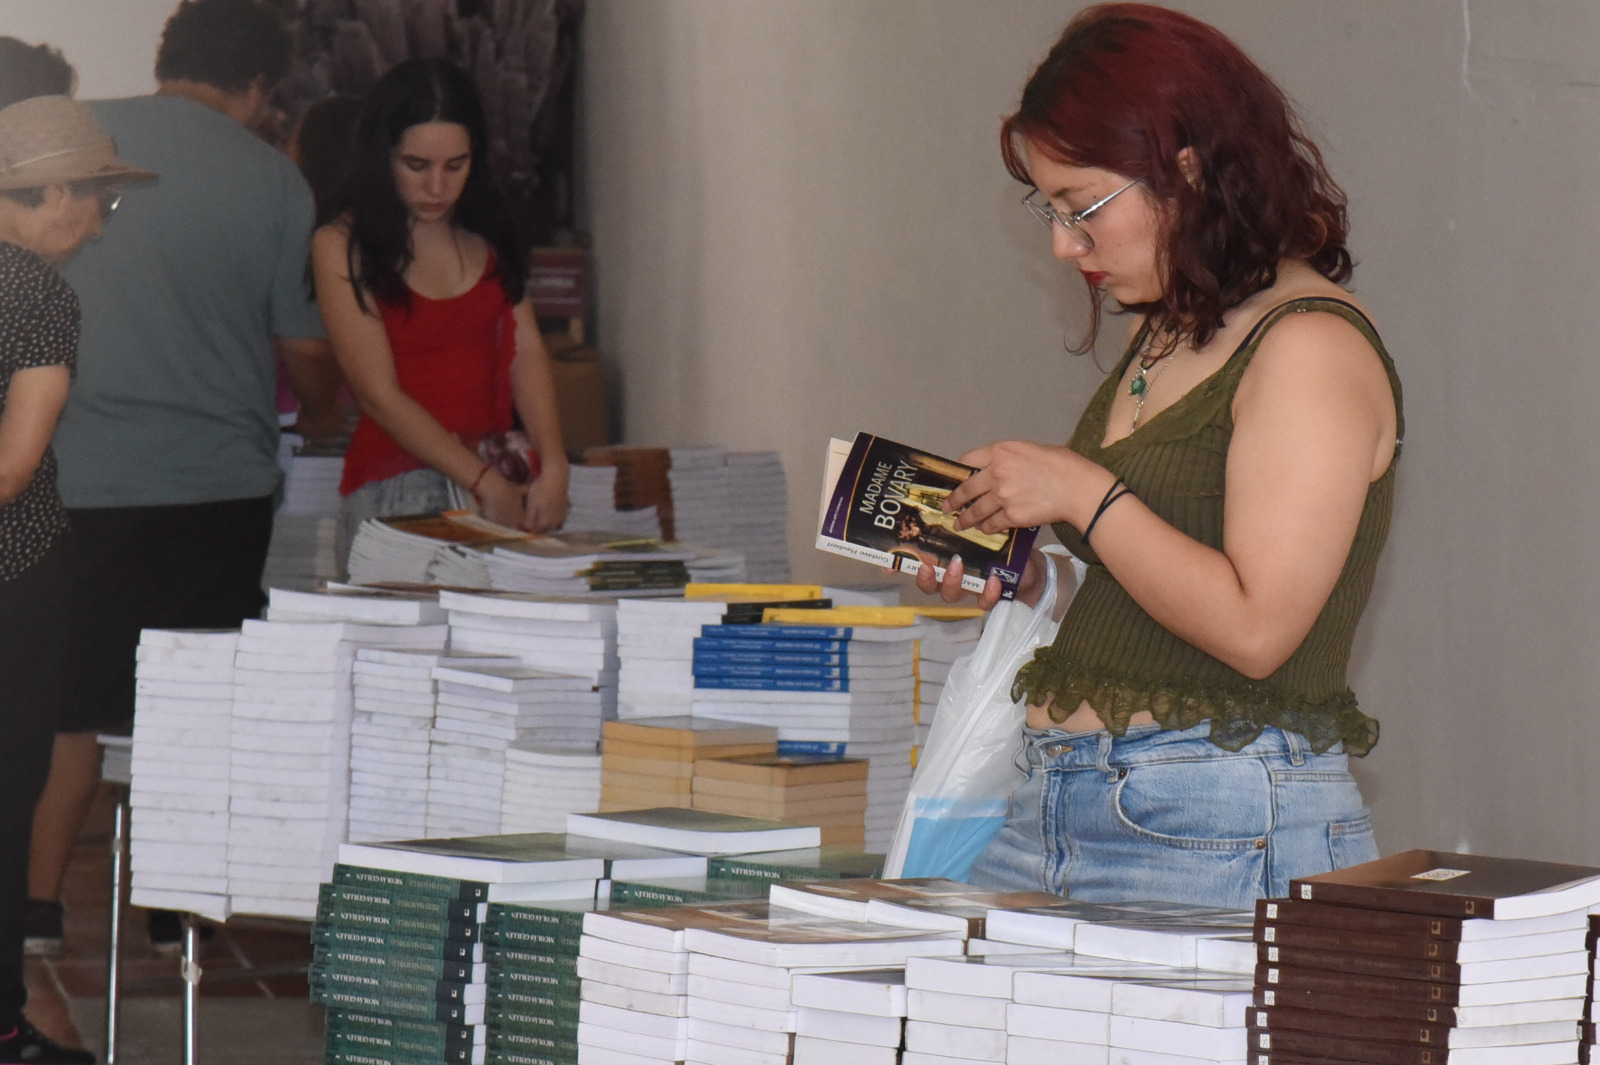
<point>168,447</point>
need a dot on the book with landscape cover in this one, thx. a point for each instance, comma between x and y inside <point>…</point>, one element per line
<point>1456,885</point>
<point>1284,912</point>
<point>524,858</point>
<point>884,503</point>
<point>695,831</point>
<point>809,863</point>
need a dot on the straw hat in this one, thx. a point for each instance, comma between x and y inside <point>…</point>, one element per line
<point>54,140</point>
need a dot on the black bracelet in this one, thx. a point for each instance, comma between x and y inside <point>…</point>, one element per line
<point>1112,495</point>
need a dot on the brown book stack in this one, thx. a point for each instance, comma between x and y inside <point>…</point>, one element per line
<point>641,479</point>
<point>830,793</point>
<point>651,763</point>
<point>1425,958</point>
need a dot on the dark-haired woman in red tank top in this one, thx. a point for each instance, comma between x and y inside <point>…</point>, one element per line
<point>421,286</point>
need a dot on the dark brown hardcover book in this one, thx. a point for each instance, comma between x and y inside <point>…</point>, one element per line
<point>1322,1047</point>
<point>1456,885</point>
<point>1300,935</point>
<point>1282,1057</point>
<point>1387,1029</point>
<point>1355,919</point>
<point>1341,961</point>
<point>1362,1006</point>
<point>1294,978</point>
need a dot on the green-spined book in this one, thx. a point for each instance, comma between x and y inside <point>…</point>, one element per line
<point>372,1032</point>
<point>560,921</point>
<point>368,1001</point>
<point>334,898</point>
<point>683,892</point>
<point>360,876</point>
<point>361,940</point>
<point>558,965</point>
<point>412,965</point>
<point>399,924</point>
<point>557,1005</point>
<point>535,982</point>
<point>391,987</point>
<point>807,863</point>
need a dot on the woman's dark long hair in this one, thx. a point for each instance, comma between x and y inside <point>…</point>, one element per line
<point>411,93</point>
<point>1129,86</point>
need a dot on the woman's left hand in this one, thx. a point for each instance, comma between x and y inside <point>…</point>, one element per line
<point>546,504</point>
<point>1019,484</point>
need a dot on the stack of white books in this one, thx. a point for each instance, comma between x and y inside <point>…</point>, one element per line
<point>655,650</point>
<point>1161,933</point>
<point>343,602</point>
<point>179,794</point>
<point>389,739</point>
<point>581,564</point>
<point>593,492</point>
<point>304,548</point>
<point>741,975</point>
<point>868,713</point>
<point>290,755</point>
<point>380,552</point>
<point>857,1017</point>
<point>1148,1013</point>
<point>572,636</point>
<point>702,506</point>
<point>635,980</point>
<point>543,784</point>
<point>759,524</point>
<point>480,711</point>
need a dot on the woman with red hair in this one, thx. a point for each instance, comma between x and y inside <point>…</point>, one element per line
<point>1229,485</point>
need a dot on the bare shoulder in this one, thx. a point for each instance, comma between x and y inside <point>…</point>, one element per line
<point>332,238</point>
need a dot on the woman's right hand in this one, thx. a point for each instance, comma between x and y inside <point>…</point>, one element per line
<point>951,591</point>
<point>501,500</point>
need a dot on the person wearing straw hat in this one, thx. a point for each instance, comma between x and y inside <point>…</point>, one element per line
<point>59,173</point>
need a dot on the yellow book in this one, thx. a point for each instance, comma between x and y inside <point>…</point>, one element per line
<point>878,616</point>
<point>752,592</point>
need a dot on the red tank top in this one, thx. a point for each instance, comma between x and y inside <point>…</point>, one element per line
<point>453,356</point>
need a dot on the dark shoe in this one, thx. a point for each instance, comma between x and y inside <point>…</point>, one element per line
<point>166,933</point>
<point>41,928</point>
<point>26,1045</point>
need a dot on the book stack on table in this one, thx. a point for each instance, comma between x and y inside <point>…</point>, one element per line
<point>806,863</point>
<point>394,691</point>
<point>655,639</point>
<point>641,479</point>
<point>304,545</point>
<point>592,491</point>
<point>183,706</point>
<point>481,711</point>
<point>577,637</point>
<point>1426,958</point>
<point>740,1003</point>
<point>289,798</point>
<point>590,563</point>
<point>651,763</point>
<point>820,790</point>
<point>546,783</point>
<point>1163,933</point>
<point>834,689</point>
<point>759,525</point>
<point>849,1016</point>
<point>657,892</point>
<point>702,505</point>
<point>532,1004</point>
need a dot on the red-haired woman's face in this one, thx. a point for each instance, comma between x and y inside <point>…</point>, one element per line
<point>1126,231</point>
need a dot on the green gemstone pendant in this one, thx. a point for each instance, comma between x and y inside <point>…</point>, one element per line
<point>1136,386</point>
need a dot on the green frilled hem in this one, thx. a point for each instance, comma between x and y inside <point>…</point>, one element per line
<point>1237,716</point>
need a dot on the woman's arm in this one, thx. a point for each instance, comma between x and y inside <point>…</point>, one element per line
<point>362,349</point>
<point>33,405</point>
<point>533,389</point>
<point>1314,426</point>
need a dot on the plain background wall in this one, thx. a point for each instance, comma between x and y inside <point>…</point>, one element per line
<point>803,229</point>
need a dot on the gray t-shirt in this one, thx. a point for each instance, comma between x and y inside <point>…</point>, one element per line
<point>175,400</point>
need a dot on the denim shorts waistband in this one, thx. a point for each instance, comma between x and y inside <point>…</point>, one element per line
<point>1145,744</point>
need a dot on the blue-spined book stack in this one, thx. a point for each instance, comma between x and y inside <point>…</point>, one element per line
<point>821,686</point>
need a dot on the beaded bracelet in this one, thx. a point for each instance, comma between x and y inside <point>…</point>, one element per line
<point>1111,496</point>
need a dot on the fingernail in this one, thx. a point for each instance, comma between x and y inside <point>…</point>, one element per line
<point>955,560</point>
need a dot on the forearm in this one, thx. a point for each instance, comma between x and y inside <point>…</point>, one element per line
<point>534,393</point>
<point>419,433</point>
<point>313,376</point>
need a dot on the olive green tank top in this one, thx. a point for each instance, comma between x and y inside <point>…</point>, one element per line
<point>1113,655</point>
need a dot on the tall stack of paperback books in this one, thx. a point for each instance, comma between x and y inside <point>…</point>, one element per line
<point>820,790</point>
<point>702,507</point>
<point>595,506</point>
<point>481,711</point>
<point>556,635</point>
<point>304,548</point>
<point>183,707</point>
<point>850,1016</point>
<point>651,763</point>
<point>394,694</point>
<point>1425,958</point>
<point>655,639</point>
<point>641,480</point>
<point>758,527</point>
<point>289,760</point>
<point>829,690</point>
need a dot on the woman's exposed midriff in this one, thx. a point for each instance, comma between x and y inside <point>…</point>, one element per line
<point>1083,719</point>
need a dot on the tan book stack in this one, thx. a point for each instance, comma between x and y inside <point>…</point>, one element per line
<point>641,479</point>
<point>650,763</point>
<point>830,793</point>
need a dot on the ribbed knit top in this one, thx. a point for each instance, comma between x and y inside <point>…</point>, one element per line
<point>1113,655</point>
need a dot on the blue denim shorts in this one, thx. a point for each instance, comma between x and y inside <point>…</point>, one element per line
<point>1164,815</point>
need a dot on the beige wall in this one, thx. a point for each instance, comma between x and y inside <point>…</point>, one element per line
<point>802,229</point>
<point>112,43</point>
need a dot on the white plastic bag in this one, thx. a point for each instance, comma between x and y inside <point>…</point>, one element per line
<point>966,771</point>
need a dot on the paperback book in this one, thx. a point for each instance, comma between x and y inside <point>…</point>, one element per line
<point>886,507</point>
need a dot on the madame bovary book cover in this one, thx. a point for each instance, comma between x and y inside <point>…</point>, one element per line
<point>887,504</point>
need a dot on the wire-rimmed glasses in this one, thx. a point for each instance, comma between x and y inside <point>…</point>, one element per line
<point>1072,223</point>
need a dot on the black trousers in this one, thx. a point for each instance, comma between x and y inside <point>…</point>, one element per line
<point>33,627</point>
<point>191,566</point>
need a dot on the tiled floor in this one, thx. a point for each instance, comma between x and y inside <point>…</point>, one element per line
<point>253,999</point>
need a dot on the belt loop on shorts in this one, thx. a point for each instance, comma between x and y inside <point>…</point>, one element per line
<point>1297,747</point>
<point>1102,758</point>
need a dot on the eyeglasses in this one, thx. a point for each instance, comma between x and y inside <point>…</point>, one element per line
<point>109,201</point>
<point>1072,223</point>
